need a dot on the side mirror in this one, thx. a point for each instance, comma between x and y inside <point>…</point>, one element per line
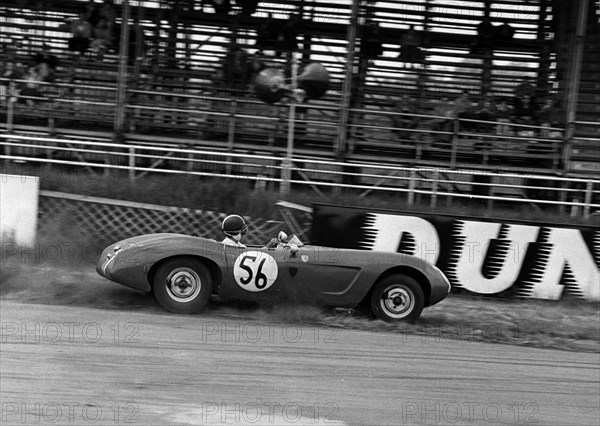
<point>282,237</point>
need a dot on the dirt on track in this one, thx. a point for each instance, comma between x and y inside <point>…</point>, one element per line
<point>568,325</point>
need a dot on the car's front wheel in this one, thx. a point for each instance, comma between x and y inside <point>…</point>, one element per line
<point>182,285</point>
<point>397,298</point>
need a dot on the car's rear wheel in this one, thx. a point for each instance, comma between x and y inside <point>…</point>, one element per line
<point>182,285</point>
<point>397,298</point>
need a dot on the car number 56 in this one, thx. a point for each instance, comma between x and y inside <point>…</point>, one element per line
<point>255,270</point>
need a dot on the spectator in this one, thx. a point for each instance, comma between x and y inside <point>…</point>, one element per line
<point>108,12</point>
<point>504,112</point>
<point>45,73</point>
<point>13,92</point>
<point>410,49</point>
<point>10,73</point>
<point>45,57</point>
<point>81,31</point>
<point>371,41</point>
<point>463,108</point>
<point>485,111</point>
<point>404,121</point>
<point>462,104</point>
<point>267,36</point>
<point>31,85</point>
<point>236,68</point>
<point>102,37</point>
<point>92,13</point>
<point>485,39</point>
<point>524,113</point>
<point>550,116</point>
<point>255,66</point>
<point>289,33</point>
<point>526,87</point>
<point>444,112</point>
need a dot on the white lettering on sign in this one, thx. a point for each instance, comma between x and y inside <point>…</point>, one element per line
<point>566,247</point>
<point>473,244</point>
<point>255,271</point>
<point>489,257</point>
<point>387,231</point>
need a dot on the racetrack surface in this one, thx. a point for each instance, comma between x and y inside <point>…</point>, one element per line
<point>84,365</point>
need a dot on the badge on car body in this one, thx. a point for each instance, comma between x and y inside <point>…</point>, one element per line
<point>255,271</point>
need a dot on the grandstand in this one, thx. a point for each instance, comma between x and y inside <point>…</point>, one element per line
<point>180,85</point>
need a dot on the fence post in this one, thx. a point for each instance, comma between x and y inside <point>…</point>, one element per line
<point>231,134</point>
<point>286,176</point>
<point>568,146</point>
<point>10,114</point>
<point>411,187</point>
<point>588,200</point>
<point>132,164</point>
<point>342,129</point>
<point>454,143</point>
<point>434,189</point>
<point>121,95</point>
<point>9,121</point>
<point>286,167</point>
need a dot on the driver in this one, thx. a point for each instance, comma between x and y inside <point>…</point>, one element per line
<point>234,227</point>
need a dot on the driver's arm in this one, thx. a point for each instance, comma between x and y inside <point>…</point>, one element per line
<point>273,242</point>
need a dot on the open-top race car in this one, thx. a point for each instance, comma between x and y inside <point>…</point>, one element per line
<point>184,271</point>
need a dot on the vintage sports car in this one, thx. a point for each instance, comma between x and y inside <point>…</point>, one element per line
<point>183,271</point>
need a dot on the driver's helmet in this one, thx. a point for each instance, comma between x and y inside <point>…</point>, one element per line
<point>233,225</point>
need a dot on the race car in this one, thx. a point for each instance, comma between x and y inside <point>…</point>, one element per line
<point>183,272</point>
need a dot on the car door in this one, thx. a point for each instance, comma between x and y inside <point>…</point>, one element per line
<point>253,273</point>
<point>319,274</point>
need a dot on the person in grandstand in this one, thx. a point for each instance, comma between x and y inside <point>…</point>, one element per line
<point>234,227</point>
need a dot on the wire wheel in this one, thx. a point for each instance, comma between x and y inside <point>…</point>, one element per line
<point>397,297</point>
<point>182,285</point>
<point>397,301</point>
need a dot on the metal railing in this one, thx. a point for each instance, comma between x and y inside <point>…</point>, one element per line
<point>373,134</point>
<point>579,197</point>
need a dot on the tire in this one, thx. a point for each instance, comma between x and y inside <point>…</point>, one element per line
<point>397,298</point>
<point>182,285</point>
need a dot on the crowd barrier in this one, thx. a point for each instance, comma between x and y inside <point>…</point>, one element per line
<point>428,185</point>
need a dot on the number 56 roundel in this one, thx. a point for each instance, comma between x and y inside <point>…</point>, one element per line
<point>255,270</point>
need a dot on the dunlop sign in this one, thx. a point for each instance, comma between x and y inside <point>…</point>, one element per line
<point>519,259</point>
